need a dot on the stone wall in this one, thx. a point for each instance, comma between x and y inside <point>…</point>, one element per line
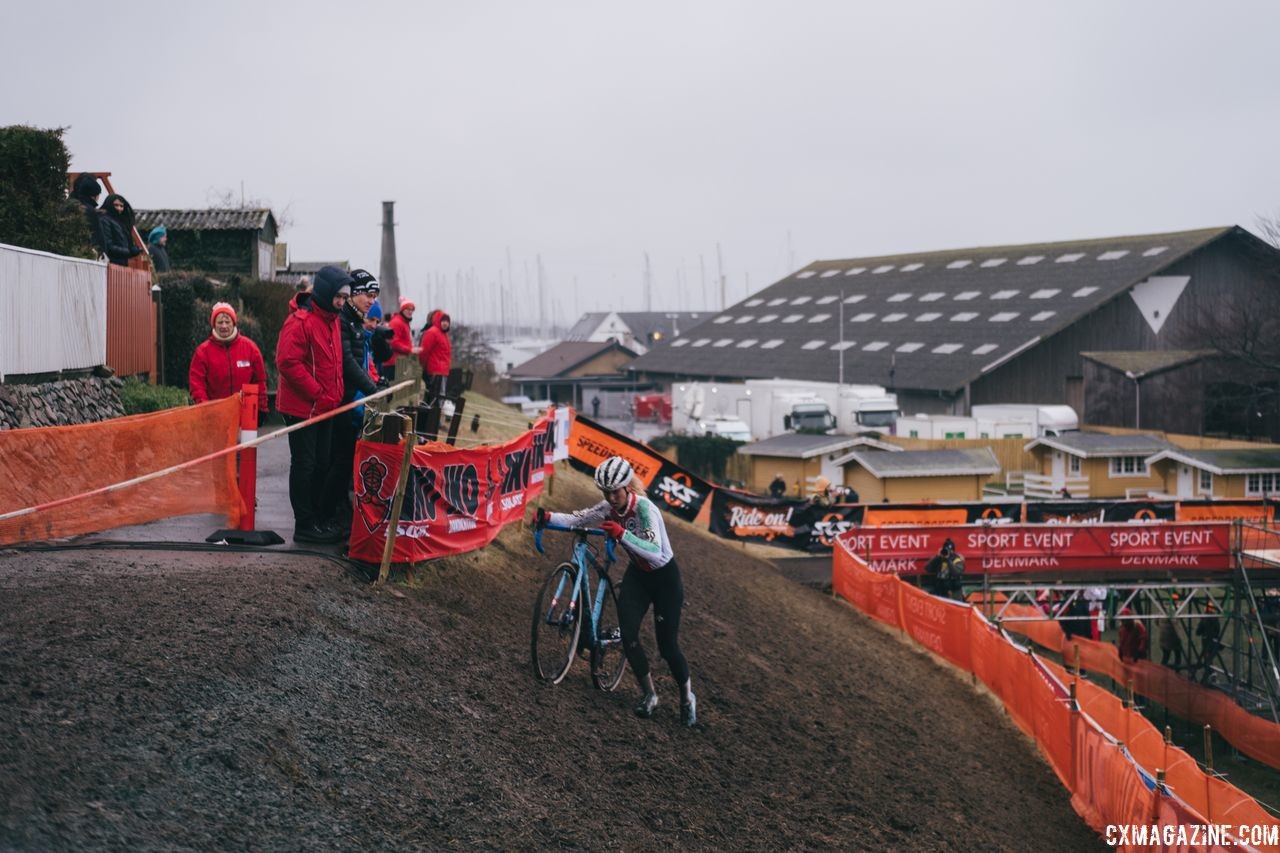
<point>62,403</point>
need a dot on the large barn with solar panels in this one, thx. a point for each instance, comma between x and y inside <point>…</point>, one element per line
<point>1001,324</point>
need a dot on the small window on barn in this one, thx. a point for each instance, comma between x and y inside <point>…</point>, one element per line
<point>883,268</point>
<point>752,303</point>
<point>723,318</point>
<point>911,267</point>
<point>900,297</point>
<point>855,271</point>
<point>893,318</point>
<point>1046,293</point>
<point>947,349</point>
<point>841,346</point>
<point>958,265</point>
<point>985,348</point>
<point>1005,316</point>
<point>1069,258</point>
<point>679,342</point>
<point>861,318</point>
<point>932,297</point>
<point>793,318</point>
<point>875,346</point>
<point>1154,250</point>
<point>992,262</point>
<point>749,342</point>
<point>826,300</point>
<point>830,273</point>
<point>1029,260</point>
<point>723,342</point>
<point>928,317</point>
<point>745,318</point>
<point>702,342</point>
<point>1005,294</point>
<point>1042,316</point>
<point>963,317</point>
<point>805,274</point>
<point>910,347</point>
<point>1113,255</point>
<point>772,343</point>
<point>819,318</point>
<point>813,345</point>
<point>767,318</point>
<point>857,297</point>
<point>773,303</point>
<point>800,300</point>
<point>966,295</point>
<point>1084,291</point>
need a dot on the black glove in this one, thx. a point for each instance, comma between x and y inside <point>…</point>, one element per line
<point>541,517</point>
<point>382,382</point>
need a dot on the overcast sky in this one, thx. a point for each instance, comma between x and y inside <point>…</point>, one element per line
<point>594,132</point>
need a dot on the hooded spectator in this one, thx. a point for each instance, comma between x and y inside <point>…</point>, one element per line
<point>117,230</point>
<point>226,361</point>
<point>436,354</point>
<point>1132,639</point>
<point>401,336</point>
<point>85,192</point>
<point>310,363</point>
<point>157,245</point>
<point>357,383</point>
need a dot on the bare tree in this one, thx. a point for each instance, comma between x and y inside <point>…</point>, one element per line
<point>228,199</point>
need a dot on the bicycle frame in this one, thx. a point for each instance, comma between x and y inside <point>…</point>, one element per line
<point>582,559</point>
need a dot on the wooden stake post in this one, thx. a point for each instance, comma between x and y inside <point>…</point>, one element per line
<point>397,503</point>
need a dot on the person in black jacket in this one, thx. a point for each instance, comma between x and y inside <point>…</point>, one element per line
<point>117,230</point>
<point>157,241</point>
<point>85,192</point>
<point>356,381</point>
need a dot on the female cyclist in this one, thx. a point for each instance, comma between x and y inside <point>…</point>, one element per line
<point>652,577</point>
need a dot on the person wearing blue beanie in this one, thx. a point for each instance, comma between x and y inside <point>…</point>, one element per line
<point>158,247</point>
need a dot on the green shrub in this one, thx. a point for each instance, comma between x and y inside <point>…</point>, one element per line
<point>704,455</point>
<point>33,184</point>
<point>188,298</point>
<point>138,397</point>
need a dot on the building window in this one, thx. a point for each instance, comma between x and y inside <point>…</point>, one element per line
<point>1261,484</point>
<point>915,433</point>
<point>953,435</point>
<point>1206,483</point>
<point>1127,466</point>
<point>1073,462</point>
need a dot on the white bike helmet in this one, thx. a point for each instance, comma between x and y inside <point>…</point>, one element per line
<point>613,473</point>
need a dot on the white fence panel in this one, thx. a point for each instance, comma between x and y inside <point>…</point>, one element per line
<point>40,293</point>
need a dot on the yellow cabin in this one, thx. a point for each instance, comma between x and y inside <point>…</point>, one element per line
<point>1093,465</point>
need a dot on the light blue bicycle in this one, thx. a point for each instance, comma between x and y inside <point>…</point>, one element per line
<point>562,604</point>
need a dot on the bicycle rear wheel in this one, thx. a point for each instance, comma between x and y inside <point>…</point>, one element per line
<point>608,659</point>
<point>554,635</point>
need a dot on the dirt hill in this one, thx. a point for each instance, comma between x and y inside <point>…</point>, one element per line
<point>162,699</point>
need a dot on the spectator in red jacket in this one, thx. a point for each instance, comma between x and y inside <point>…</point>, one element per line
<point>436,354</point>
<point>401,337</point>
<point>1132,640</point>
<point>227,361</point>
<point>309,359</point>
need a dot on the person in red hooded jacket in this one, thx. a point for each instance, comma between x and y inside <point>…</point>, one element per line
<point>309,360</point>
<point>436,353</point>
<point>401,337</point>
<point>227,361</point>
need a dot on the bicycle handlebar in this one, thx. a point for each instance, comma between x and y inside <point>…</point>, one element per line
<point>586,531</point>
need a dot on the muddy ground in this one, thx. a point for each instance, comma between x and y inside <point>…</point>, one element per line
<point>192,700</point>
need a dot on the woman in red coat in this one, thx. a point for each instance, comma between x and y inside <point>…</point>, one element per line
<point>401,337</point>
<point>227,361</point>
<point>436,353</point>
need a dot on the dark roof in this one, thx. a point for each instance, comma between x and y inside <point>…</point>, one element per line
<point>562,358</point>
<point>927,463</point>
<point>941,319</point>
<point>313,267</point>
<point>1093,445</point>
<point>1247,460</point>
<point>641,323</point>
<point>252,219</point>
<point>1146,362</point>
<point>799,445</point>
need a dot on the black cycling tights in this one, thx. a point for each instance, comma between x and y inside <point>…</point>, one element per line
<point>661,588</point>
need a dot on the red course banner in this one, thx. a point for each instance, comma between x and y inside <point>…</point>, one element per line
<point>1015,548</point>
<point>455,501</point>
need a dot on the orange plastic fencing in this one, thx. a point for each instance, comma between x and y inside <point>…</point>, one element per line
<point>1104,753</point>
<point>43,465</point>
<point>1255,736</point>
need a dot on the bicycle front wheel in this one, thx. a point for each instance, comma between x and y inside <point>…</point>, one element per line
<point>556,624</point>
<point>608,659</point>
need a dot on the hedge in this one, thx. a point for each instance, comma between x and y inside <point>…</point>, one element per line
<point>138,397</point>
<point>34,211</point>
<point>188,298</point>
<point>704,455</point>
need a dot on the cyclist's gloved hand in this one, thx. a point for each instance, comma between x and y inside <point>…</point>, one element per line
<point>613,529</point>
<point>540,517</point>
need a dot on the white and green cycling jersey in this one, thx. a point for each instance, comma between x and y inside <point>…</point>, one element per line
<point>646,535</point>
